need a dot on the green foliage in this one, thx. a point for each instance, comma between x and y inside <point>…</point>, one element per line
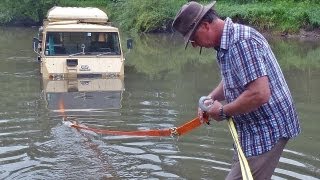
<point>85,3</point>
<point>27,9</point>
<point>144,16</point>
<point>314,16</point>
<point>285,16</point>
<point>157,15</point>
<point>265,1</point>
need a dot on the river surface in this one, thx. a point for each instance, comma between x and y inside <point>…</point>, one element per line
<point>160,90</point>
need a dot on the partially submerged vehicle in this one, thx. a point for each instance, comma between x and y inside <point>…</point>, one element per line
<point>78,42</point>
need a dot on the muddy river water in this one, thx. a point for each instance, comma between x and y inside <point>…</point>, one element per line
<point>161,87</point>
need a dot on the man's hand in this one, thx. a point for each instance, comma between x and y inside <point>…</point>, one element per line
<point>203,116</point>
<point>214,111</point>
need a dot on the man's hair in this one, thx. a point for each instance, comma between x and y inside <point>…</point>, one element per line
<point>210,16</point>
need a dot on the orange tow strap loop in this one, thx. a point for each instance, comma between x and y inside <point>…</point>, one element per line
<point>189,126</point>
<point>161,132</point>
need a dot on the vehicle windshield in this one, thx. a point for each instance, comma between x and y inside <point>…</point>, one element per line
<point>82,43</point>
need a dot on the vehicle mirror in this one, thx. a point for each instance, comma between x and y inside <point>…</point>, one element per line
<point>130,43</point>
<point>35,43</point>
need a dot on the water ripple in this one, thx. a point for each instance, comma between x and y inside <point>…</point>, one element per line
<point>294,175</point>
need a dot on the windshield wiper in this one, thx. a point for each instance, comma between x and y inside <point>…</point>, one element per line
<point>83,46</point>
<point>82,53</point>
<point>105,53</point>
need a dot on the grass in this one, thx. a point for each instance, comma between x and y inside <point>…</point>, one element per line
<point>285,16</point>
<point>156,16</point>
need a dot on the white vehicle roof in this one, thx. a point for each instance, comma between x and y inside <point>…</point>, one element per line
<point>81,28</point>
<point>84,14</point>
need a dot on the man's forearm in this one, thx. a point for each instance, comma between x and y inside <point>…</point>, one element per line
<point>256,94</point>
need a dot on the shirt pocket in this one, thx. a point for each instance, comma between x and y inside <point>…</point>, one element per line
<point>232,85</point>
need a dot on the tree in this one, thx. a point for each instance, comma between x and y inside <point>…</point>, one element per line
<point>24,11</point>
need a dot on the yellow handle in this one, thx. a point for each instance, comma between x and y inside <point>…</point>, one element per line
<point>245,168</point>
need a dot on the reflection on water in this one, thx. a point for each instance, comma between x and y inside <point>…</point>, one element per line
<point>160,90</point>
<point>83,97</point>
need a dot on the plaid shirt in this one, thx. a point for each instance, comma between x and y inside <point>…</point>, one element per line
<point>245,55</point>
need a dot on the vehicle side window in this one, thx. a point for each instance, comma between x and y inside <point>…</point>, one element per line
<point>54,44</point>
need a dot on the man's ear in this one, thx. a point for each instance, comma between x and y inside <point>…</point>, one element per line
<point>205,26</point>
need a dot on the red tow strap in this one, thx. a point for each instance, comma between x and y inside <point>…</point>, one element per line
<point>175,131</point>
<point>181,130</point>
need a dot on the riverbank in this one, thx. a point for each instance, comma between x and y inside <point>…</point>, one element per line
<point>305,35</point>
<point>283,16</point>
<point>286,18</point>
<point>302,34</point>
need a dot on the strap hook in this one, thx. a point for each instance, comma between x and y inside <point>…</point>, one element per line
<point>202,106</point>
<point>174,131</point>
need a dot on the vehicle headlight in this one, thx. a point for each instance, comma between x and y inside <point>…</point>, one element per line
<point>112,75</point>
<point>57,76</point>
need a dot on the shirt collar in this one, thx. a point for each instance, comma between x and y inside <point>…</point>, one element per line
<point>226,34</point>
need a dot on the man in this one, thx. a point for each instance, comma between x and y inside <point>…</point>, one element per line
<point>256,93</point>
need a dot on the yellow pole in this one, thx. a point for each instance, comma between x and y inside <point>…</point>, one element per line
<point>245,168</point>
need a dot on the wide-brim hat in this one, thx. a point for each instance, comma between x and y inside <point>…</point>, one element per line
<point>189,17</point>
